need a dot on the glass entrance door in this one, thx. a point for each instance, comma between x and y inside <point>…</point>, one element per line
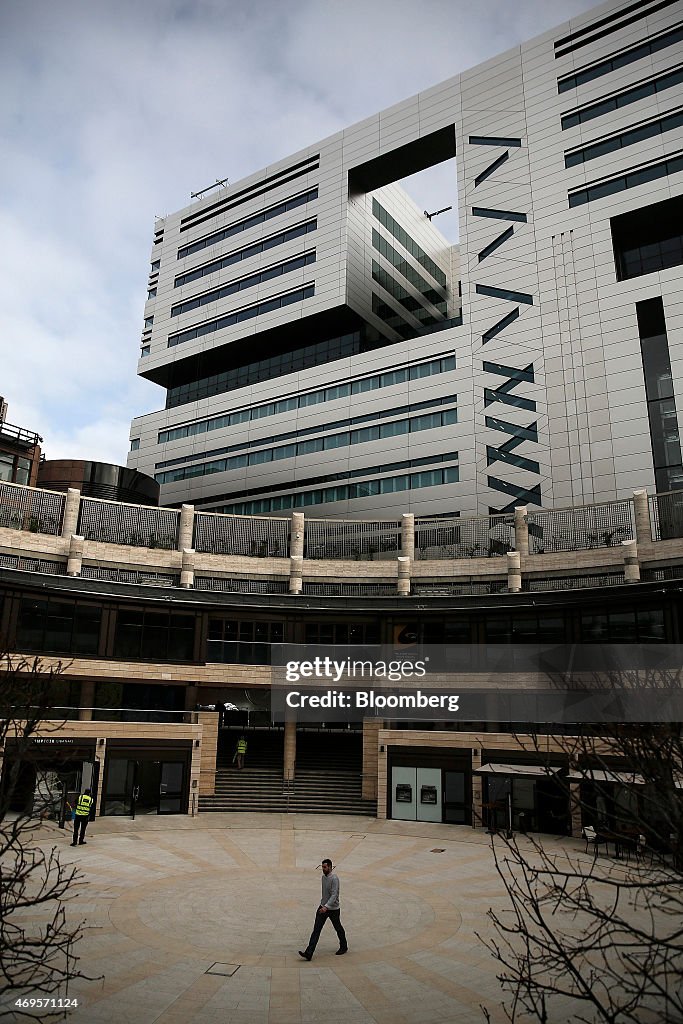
<point>455,804</point>
<point>144,787</point>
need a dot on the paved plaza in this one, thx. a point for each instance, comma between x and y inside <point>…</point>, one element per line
<point>200,920</point>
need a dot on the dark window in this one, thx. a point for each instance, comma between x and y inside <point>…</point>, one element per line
<point>242,643</point>
<point>623,626</point>
<point>58,627</point>
<point>661,406</point>
<point>648,239</point>
<point>354,633</point>
<point>623,99</point>
<point>153,636</point>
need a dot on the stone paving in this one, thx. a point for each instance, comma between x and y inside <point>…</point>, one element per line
<point>198,921</point>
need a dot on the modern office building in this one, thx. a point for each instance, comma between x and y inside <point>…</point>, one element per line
<point>323,346</point>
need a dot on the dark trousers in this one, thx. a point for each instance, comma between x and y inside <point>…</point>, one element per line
<point>80,822</point>
<point>318,927</point>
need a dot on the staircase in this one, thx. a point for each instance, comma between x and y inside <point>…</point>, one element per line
<point>328,778</point>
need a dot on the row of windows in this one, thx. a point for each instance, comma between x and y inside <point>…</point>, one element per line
<point>408,243</point>
<point>244,254</point>
<point>348,421</point>
<point>345,492</point>
<point>406,269</point>
<point>357,387</point>
<point>428,421</point>
<point>407,300</point>
<point>646,259</point>
<point>248,222</point>
<point>621,60</point>
<point>391,317</point>
<point>266,369</point>
<point>627,138</point>
<point>631,179</point>
<point>623,99</point>
<point>268,274</point>
<point>258,309</point>
<point>64,627</point>
<point>344,476</point>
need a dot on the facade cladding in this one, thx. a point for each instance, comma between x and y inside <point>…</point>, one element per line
<point>315,295</point>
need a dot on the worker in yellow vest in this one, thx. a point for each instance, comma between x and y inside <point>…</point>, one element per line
<point>240,751</point>
<point>83,805</point>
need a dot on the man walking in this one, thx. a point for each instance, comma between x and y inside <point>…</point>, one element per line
<point>83,805</point>
<point>329,908</point>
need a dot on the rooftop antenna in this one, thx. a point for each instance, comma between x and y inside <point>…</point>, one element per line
<point>437,212</point>
<point>217,184</point>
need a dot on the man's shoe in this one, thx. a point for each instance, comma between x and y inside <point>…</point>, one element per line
<point>82,843</point>
<point>306,956</point>
<point>74,844</point>
<point>340,952</point>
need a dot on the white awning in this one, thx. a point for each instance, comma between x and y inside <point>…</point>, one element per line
<point>516,769</point>
<point>622,778</point>
<point>601,775</point>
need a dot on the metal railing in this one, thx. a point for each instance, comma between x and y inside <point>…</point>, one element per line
<point>20,434</point>
<point>241,535</point>
<point>582,528</point>
<point>352,540</point>
<point>666,515</point>
<point>241,586</point>
<point>140,526</point>
<point>350,589</point>
<point>488,537</point>
<point>31,510</point>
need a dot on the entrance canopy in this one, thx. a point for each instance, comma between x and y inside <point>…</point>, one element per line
<point>516,769</point>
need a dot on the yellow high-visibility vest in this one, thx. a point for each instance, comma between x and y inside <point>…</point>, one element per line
<point>83,805</point>
<point>241,746</point>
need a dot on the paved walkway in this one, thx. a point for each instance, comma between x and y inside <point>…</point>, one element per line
<point>199,920</point>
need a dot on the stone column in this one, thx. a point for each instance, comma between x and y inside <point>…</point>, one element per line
<point>575,808</point>
<point>75,560</point>
<point>403,581</point>
<point>100,758</point>
<point>631,563</point>
<point>87,700</point>
<point>371,728</point>
<point>514,572</point>
<point>71,507</point>
<point>289,765</point>
<point>296,575</point>
<point>521,530</point>
<point>187,569</point>
<point>477,783</point>
<point>296,539</point>
<point>185,528</point>
<point>641,508</point>
<point>408,535</point>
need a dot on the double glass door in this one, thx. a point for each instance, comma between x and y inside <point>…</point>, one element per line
<point>143,787</point>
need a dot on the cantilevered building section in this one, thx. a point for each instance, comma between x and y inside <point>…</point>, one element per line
<point>323,346</point>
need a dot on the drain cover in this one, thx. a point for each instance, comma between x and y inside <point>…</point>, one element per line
<point>225,970</point>
<point>437,851</point>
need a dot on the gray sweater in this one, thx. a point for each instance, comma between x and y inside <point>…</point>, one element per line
<point>330,897</point>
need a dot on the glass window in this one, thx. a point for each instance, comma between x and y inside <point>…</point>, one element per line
<point>6,467</point>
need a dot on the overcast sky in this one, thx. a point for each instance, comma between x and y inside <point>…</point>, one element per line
<point>112,113</point>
